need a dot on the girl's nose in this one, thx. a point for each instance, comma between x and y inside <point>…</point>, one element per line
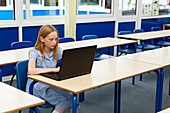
<point>54,41</point>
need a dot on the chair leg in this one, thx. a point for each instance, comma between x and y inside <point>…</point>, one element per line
<point>120,54</point>
<point>31,110</point>
<point>141,77</point>
<point>34,109</point>
<point>169,85</point>
<point>81,97</point>
<point>12,79</point>
<point>52,109</point>
<point>133,80</point>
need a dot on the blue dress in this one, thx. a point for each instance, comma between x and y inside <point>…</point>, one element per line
<point>58,97</point>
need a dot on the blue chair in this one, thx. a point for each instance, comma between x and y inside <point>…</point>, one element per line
<point>128,48</point>
<point>167,39</point>
<point>147,45</point>
<point>161,41</point>
<point>66,39</point>
<point>23,44</point>
<point>21,74</point>
<point>99,55</point>
<point>19,45</point>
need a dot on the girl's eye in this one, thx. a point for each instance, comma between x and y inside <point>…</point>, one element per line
<point>51,39</point>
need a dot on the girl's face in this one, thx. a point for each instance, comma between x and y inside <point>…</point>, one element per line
<point>50,40</point>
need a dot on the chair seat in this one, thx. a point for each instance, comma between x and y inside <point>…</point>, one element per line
<point>163,43</point>
<point>102,57</point>
<point>149,47</point>
<point>129,51</point>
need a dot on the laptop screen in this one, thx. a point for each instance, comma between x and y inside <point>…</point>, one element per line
<point>77,61</point>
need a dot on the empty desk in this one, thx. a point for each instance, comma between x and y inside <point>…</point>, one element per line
<point>12,57</point>
<point>146,36</point>
<point>12,99</point>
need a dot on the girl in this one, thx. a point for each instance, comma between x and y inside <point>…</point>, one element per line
<point>43,58</point>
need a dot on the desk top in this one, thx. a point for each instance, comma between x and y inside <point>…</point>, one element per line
<point>100,42</point>
<point>17,55</point>
<point>159,56</point>
<point>103,72</point>
<point>12,99</point>
<point>146,35</point>
<point>165,111</point>
<point>13,56</point>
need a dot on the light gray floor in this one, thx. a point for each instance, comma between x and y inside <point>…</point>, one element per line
<point>138,98</point>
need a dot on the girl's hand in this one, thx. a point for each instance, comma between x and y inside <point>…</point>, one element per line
<point>56,69</point>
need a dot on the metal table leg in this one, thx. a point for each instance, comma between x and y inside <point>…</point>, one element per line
<point>74,103</point>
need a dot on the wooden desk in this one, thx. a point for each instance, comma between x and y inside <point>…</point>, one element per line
<point>103,72</point>
<point>165,111</point>
<point>12,99</point>
<point>146,36</point>
<point>100,42</point>
<point>159,57</point>
<point>12,57</point>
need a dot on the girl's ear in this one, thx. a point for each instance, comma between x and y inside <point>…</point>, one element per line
<point>42,39</point>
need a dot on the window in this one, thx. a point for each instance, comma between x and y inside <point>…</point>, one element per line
<point>128,7</point>
<point>45,8</point>
<point>2,2</point>
<point>6,10</point>
<point>87,7</point>
<point>34,1</point>
<point>156,7</point>
<point>50,2</point>
<point>89,2</point>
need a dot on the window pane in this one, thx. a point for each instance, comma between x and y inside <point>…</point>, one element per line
<point>128,7</point>
<point>164,7</point>
<point>156,7</point>
<point>89,2</point>
<point>46,7</point>
<point>86,7</point>
<point>6,10</point>
<point>50,2</point>
<point>3,3</point>
<point>34,1</point>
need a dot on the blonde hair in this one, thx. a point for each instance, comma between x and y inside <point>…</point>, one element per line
<point>44,31</point>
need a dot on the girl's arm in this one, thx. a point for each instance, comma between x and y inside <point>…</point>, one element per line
<point>33,70</point>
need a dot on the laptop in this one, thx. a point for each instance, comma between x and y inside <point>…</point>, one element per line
<point>74,62</point>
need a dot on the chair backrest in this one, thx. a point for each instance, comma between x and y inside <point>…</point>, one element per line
<point>66,39</point>
<point>88,37</point>
<point>124,33</point>
<point>21,74</point>
<point>156,28</point>
<point>138,30</point>
<point>23,44</point>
